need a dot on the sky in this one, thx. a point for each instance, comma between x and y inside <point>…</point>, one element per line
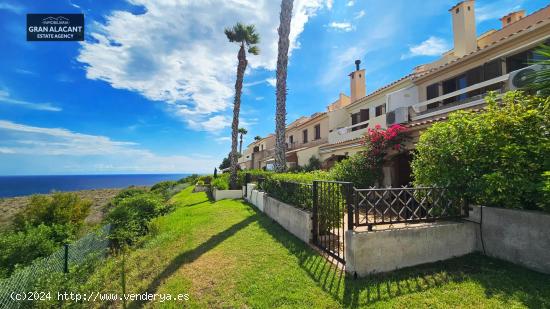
<point>150,89</point>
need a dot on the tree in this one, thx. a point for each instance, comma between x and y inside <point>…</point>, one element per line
<point>499,157</point>
<point>257,138</point>
<point>247,37</point>
<point>226,162</point>
<point>540,80</point>
<point>282,63</point>
<point>242,131</point>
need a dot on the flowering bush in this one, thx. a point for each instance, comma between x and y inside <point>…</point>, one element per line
<point>379,142</point>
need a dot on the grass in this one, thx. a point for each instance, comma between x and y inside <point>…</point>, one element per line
<point>226,254</point>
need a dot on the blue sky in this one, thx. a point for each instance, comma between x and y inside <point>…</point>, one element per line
<point>150,90</point>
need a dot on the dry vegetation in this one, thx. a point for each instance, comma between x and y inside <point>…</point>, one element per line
<point>100,198</point>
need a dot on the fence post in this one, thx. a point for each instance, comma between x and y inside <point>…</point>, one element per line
<point>315,211</point>
<point>66,259</point>
<point>349,204</point>
<point>246,181</point>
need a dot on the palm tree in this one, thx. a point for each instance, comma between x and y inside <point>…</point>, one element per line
<point>247,37</point>
<point>540,80</point>
<point>242,131</point>
<point>257,138</point>
<point>282,62</point>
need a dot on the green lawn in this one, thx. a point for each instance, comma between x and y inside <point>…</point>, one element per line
<point>227,254</point>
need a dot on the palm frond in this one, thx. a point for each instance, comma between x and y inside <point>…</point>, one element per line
<point>254,50</point>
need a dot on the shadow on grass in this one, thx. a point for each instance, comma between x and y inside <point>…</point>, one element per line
<point>498,278</point>
<point>191,255</point>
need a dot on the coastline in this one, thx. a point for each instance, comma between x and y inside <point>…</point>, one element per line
<point>10,206</point>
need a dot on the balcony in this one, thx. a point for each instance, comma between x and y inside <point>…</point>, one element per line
<point>315,142</point>
<point>421,110</point>
<point>352,132</point>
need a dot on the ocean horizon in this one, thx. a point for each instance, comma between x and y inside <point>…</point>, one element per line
<point>12,186</point>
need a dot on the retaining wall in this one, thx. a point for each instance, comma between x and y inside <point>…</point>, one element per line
<point>227,194</point>
<point>388,250</point>
<point>296,221</point>
<point>518,236</point>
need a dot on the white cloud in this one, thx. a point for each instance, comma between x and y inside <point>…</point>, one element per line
<point>272,81</point>
<point>7,99</point>
<point>25,72</point>
<point>342,26</point>
<point>25,140</point>
<point>259,98</point>
<point>329,4</point>
<point>360,14</point>
<point>223,139</point>
<point>496,10</point>
<point>212,124</point>
<point>12,8</point>
<point>433,46</point>
<point>350,3</point>
<point>176,52</point>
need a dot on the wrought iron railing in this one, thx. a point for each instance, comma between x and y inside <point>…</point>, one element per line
<point>377,206</point>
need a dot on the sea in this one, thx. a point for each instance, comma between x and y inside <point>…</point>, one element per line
<point>11,186</point>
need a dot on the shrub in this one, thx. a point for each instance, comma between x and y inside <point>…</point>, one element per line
<point>221,182</point>
<point>355,169</point>
<point>58,209</point>
<point>164,188</point>
<point>126,193</point>
<point>495,158</point>
<point>189,179</point>
<point>129,220</point>
<point>20,248</point>
<point>313,164</point>
<point>207,179</point>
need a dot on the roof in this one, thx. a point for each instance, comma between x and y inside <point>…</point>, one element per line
<point>377,91</point>
<point>490,45</point>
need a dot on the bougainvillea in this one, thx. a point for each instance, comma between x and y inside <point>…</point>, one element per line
<point>378,142</point>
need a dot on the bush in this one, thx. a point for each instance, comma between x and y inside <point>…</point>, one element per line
<point>164,188</point>
<point>129,220</point>
<point>313,164</point>
<point>221,182</point>
<point>58,209</point>
<point>495,158</point>
<point>20,248</point>
<point>355,169</point>
<point>207,179</point>
<point>191,179</point>
<point>126,193</point>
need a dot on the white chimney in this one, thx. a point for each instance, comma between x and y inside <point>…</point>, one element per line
<point>464,28</point>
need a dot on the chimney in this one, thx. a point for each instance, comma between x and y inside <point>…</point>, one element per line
<point>512,18</point>
<point>357,82</point>
<point>464,28</point>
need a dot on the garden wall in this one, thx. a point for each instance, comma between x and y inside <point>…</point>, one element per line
<point>518,236</point>
<point>227,194</point>
<point>296,221</point>
<point>391,249</point>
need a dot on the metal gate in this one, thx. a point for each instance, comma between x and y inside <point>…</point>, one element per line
<point>332,200</point>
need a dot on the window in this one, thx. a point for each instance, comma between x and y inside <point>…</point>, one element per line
<point>304,133</point>
<point>318,131</point>
<point>361,116</point>
<point>291,140</point>
<point>432,91</point>
<point>380,110</point>
<point>256,149</point>
<point>492,69</point>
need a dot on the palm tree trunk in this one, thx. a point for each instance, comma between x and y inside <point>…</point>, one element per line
<point>236,109</point>
<point>282,62</point>
<point>241,145</point>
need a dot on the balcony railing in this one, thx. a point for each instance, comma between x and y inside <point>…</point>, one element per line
<point>352,132</point>
<point>421,110</point>
<point>315,142</point>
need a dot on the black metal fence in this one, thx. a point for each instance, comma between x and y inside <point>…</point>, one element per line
<point>332,200</point>
<point>377,206</point>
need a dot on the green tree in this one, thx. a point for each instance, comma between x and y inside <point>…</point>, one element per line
<point>242,132</point>
<point>257,138</point>
<point>247,38</point>
<point>226,162</point>
<point>495,158</point>
<point>282,63</point>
